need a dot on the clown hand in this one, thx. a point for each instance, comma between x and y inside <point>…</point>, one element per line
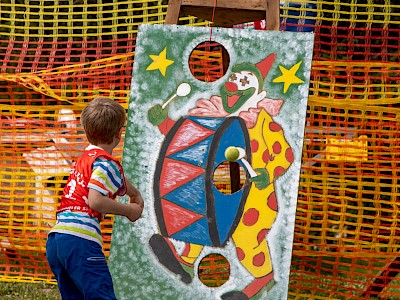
<point>262,180</point>
<point>157,114</point>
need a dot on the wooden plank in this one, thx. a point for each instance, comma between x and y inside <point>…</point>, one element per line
<point>234,173</point>
<point>247,5</point>
<point>173,11</point>
<point>223,17</point>
<point>227,12</point>
<point>272,19</point>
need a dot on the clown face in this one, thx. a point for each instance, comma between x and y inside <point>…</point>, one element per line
<point>244,87</point>
<point>240,87</point>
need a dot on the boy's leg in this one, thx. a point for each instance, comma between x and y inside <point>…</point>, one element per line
<point>66,286</point>
<point>86,264</point>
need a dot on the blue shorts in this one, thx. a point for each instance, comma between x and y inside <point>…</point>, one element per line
<point>80,268</point>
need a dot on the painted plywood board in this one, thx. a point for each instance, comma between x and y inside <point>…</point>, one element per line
<point>178,130</point>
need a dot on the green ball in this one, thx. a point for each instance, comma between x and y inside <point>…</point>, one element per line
<point>231,154</point>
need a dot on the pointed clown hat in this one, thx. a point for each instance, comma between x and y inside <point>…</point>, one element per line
<point>260,69</point>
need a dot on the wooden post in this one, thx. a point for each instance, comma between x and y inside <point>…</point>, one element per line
<point>272,16</point>
<point>227,12</point>
<point>234,173</point>
<point>174,8</point>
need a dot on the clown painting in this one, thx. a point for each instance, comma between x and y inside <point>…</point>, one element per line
<point>186,125</point>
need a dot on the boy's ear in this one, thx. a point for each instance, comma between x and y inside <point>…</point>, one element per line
<point>119,133</point>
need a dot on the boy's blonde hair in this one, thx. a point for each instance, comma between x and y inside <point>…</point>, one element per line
<point>102,118</point>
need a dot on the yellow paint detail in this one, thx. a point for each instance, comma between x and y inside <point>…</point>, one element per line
<point>289,77</point>
<point>250,239</point>
<point>160,62</point>
<point>266,139</point>
<point>193,253</point>
<point>247,237</point>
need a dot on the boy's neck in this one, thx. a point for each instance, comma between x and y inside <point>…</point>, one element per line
<point>110,147</point>
<point>106,147</point>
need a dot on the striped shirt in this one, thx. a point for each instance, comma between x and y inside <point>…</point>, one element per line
<point>99,171</point>
<point>106,177</point>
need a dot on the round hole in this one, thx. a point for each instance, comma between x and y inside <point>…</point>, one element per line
<point>229,177</point>
<point>214,270</point>
<point>209,61</point>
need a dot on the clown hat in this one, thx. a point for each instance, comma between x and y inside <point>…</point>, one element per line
<point>260,69</point>
<point>265,65</point>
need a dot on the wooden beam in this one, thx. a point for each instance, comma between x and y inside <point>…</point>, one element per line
<point>234,173</point>
<point>223,17</point>
<point>227,12</point>
<point>173,11</point>
<point>246,5</point>
<point>272,18</point>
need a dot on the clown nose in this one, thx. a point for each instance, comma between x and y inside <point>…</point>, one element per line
<point>231,87</point>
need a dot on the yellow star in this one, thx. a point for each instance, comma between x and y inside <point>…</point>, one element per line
<point>289,77</point>
<point>160,62</point>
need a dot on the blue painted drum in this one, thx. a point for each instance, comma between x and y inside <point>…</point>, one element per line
<point>188,205</point>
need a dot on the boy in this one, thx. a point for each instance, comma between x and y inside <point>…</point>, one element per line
<point>74,245</point>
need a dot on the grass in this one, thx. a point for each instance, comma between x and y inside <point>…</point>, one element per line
<point>28,291</point>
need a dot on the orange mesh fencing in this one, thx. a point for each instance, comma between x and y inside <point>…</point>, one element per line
<point>55,57</point>
<point>214,270</point>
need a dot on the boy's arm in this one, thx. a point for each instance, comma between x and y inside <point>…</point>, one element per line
<point>134,194</point>
<point>106,205</point>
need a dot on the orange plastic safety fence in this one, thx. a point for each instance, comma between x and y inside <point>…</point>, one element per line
<point>55,57</point>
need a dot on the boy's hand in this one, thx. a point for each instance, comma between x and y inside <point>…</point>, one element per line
<point>134,194</point>
<point>137,199</point>
<point>134,212</point>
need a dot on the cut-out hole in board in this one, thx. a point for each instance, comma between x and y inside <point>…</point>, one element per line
<point>214,270</point>
<point>209,61</point>
<point>229,177</point>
